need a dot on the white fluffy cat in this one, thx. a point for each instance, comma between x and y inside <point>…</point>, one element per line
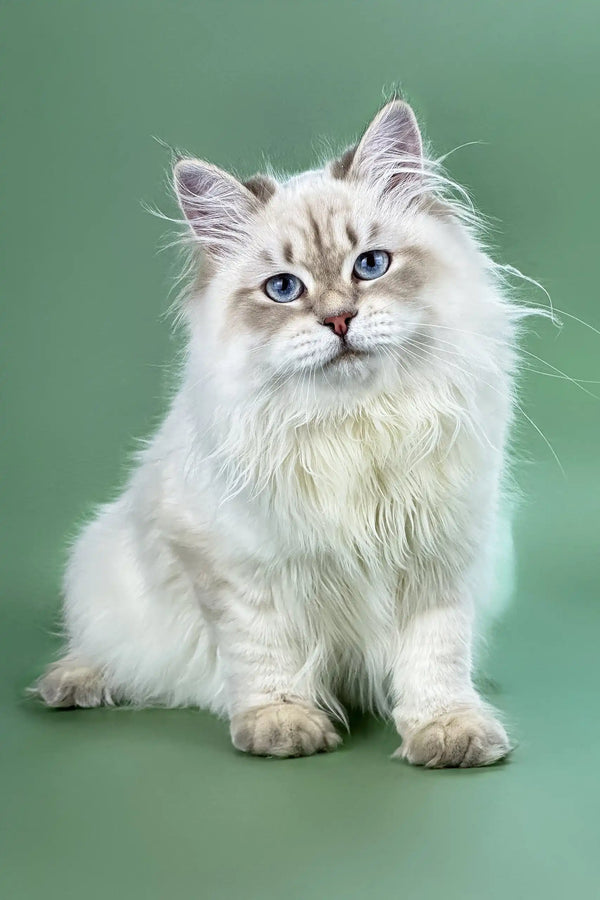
<point>316,521</point>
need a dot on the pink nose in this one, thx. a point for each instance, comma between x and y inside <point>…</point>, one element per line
<point>340,323</point>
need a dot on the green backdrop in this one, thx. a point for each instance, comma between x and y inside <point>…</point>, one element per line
<point>156,804</point>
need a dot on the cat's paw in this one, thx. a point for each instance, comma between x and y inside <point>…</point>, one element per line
<point>463,738</point>
<point>70,683</point>
<point>283,729</point>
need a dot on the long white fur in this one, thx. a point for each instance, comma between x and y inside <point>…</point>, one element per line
<point>291,535</point>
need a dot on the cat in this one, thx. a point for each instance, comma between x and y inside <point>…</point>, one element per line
<point>316,522</point>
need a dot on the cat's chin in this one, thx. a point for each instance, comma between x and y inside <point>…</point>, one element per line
<point>348,366</point>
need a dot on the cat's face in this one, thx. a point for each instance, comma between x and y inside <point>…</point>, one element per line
<point>327,278</point>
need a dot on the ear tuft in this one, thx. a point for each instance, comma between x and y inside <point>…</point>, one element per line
<point>217,206</point>
<point>390,152</point>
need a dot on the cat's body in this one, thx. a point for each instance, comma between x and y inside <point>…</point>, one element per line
<point>317,518</point>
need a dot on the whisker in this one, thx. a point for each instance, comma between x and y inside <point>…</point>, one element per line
<point>566,377</point>
<point>567,315</point>
<point>512,270</point>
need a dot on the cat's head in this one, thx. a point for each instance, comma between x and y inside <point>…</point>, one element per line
<point>331,278</point>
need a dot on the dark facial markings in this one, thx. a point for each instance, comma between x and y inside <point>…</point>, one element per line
<point>351,235</point>
<point>267,258</point>
<point>288,253</point>
<point>373,232</point>
<point>265,318</point>
<point>416,268</point>
<point>317,237</point>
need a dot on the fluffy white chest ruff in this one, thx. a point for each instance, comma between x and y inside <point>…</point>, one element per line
<point>372,488</point>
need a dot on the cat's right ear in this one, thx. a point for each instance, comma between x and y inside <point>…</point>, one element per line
<point>390,153</point>
<point>217,206</point>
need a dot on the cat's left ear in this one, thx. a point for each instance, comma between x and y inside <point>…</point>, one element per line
<point>390,153</point>
<point>218,207</point>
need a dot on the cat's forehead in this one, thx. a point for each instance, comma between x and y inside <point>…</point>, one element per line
<point>308,197</point>
<point>313,218</point>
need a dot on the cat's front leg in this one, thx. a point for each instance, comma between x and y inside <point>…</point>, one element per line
<point>271,688</point>
<point>439,714</point>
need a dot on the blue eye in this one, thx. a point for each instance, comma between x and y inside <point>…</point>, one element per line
<point>283,288</point>
<point>372,264</point>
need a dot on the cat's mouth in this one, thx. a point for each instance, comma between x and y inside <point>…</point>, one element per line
<point>346,361</point>
<point>346,353</point>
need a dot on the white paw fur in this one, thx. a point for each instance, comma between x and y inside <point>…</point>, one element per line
<point>461,739</point>
<point>70,683</point>
<point>283,729</point>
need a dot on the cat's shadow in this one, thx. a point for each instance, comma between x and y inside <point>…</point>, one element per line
<point>364,728</point>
